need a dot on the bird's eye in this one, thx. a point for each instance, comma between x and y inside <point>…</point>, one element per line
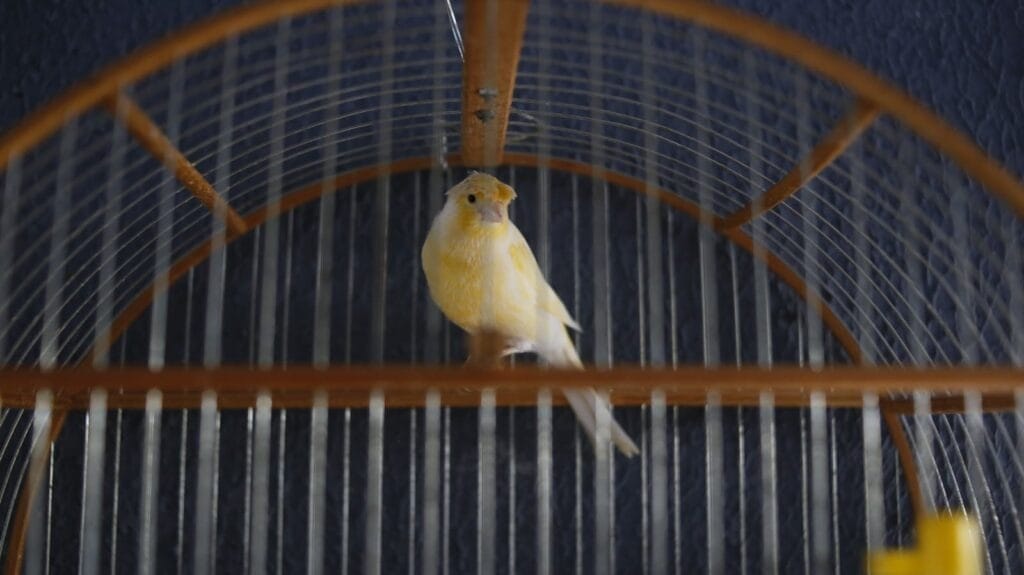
<point>471,198</point>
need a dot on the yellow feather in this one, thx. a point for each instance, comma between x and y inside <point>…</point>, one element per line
<point>483,274</point>
<point>486,275</point>
<point>526,264</point>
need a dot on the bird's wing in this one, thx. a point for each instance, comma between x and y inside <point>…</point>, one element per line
<point>526,265</point>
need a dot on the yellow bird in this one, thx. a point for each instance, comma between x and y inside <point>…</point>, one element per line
<point>483,276</point>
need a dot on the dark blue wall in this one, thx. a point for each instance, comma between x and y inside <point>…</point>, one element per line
<point>965,59</point>
<point>962,58</point>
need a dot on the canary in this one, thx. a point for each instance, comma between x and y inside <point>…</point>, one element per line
<point>484,276</point>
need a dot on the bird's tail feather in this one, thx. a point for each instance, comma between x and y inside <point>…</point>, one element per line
<point>586,403</point>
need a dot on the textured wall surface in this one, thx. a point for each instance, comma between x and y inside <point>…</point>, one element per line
<point>963,59</point>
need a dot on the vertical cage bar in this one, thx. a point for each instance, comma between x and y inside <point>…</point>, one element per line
<point>50,331</point>
<point>212,339</point>
<point>328,196</point>
<point>416,274</point>
<point>714,477</point>
<point>741,452</point>
<point>346,469</point>
<point>706,238</point>
<point>215,500</point>
<point>603,353</point>
<point>443,20</point>
<point>544,207</point>
<point>108,247</point>
<point>833,466</point>
<point>286,297</point>
<point>254,308</point>
<point>809,216</point>
<point>431,482</point>
<point>247,510</point>
<point>769,493</point>
<point>641,284</point>
<point>874,487</point>
<point>659,485</point>
<point>673,314</point>
<point>92,483</point>
<point>486,492</point>
<point>447,494</point>
<point>677,506</point>
<point>165,226</point>
<point>975,427</point>
<point>577,287</point>
<point>271,243</point>
<point>413,449</point>
<point>42,420</point>
<point>601,527</point>
<point>115,499</point>
<point>150,482</point>
<point>317,484</point>
<point>924,457</point>
<point>645,511</point>
<point>865,315</point>
<point>602,494</point>
<point>512,490</point>
<point>204,523</point>
<point>762,296</point>
<point>819,484</point>
<point>612,551</point>
<point>1019,421</point>
<point>578,502</point>
<point>544,482</point>
<point>655,287</point>
<point>382,200</point>
<point>374,485</point>
<point>49,516</point>
<point>260,517</point>
<point>182,460</point>
<point>282,444</point>
<point>350,273</point>
<point>1014,263</point>
<point>737,333</point>
<point>187,343</point>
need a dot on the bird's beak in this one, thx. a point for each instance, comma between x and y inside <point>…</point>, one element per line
<point>490,212</point>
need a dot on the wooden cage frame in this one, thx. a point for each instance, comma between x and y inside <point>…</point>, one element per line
<point>483,145</point>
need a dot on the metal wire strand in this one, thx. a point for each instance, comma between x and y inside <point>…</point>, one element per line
<point>862,234</point>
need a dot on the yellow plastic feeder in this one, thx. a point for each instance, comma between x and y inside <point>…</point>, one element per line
<point>948,544</point>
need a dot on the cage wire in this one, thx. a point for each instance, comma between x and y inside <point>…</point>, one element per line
<point>315,148</point>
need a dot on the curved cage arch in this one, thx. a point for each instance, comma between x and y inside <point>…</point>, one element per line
<point>701,188</point>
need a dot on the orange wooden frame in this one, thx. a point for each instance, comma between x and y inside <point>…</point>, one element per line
<point>406,386</point>
<point>152,139</point>
<point>863,83</point>
<point>134,309</point>
<point>906,457</point>
<point>493,42</point>
<point>16,545</point>
<point>890,100</point>
<point>845,132</point>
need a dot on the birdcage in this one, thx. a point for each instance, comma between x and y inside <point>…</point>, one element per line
<point>802,291</point>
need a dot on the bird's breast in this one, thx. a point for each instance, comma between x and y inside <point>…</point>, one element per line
<point>474,284</point>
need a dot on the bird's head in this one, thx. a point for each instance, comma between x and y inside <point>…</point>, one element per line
<point>480,202</point>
